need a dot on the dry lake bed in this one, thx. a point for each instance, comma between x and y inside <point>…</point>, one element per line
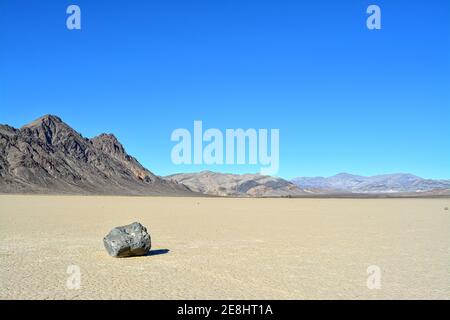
<point>213,248</point>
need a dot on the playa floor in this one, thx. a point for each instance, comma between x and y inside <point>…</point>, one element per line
<point>210,248</point>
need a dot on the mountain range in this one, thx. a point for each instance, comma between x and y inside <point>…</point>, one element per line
<point>47,156</point>
<point>237,185</point>
<point>387,184</point>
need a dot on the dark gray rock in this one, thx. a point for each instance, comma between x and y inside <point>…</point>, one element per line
<point>128,241</point>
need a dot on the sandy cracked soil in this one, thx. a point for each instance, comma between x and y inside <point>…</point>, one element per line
<point>212,248</point>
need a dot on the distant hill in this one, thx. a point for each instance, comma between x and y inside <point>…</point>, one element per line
<point>48,156</point>
<point>246,185</point>
<point>380,184</point>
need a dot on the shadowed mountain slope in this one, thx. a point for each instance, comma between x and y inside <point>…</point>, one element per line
<point>48,156</point>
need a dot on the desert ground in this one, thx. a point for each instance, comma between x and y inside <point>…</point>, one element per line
<point>217,248</point>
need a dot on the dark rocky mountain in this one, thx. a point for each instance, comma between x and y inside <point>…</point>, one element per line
<point>387,184</point>
<point>237,185</point>
<point>47,156</point>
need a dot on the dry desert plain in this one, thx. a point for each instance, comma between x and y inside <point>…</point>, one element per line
<point>217,248</point>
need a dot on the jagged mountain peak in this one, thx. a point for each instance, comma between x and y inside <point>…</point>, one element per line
<point>106,137</point>
<point>109,143</point>
<point>47,119</point>
<point>53,131</point>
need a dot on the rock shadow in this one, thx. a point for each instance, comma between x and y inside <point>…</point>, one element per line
<point>157,252</point>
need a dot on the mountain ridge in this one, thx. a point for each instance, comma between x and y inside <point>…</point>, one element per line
<point>48,156</point>
<point>237,185</point>
<point>383,183</point>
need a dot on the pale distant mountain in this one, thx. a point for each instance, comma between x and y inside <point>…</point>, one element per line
<point>387,183</point>
<point>246,185</point>
<point>48,156</point>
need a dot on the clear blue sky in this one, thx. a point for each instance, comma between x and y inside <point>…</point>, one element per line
<point>344,98</point>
